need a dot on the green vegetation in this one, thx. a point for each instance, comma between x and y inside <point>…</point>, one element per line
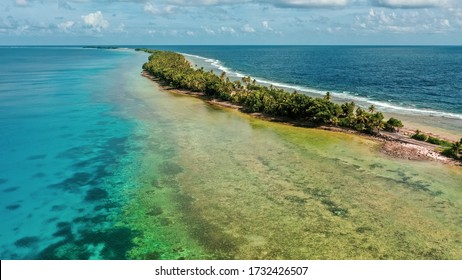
<point>430,139</point>
<point>393,125</point>
<point>437,141</point>
<point>455,150</point>
<point>419,136</point>
<point>173,69</point>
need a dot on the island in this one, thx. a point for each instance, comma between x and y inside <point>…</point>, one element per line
<point>175,72</point>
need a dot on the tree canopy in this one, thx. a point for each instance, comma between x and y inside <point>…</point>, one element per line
<point>175,70</point>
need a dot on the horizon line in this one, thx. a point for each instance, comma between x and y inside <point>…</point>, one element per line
<point>230,45</point>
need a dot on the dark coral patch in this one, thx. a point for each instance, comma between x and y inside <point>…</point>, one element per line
<point>165,222</point>
<point>3,181</point>
<point>153,256</point>
<point>155,183</point>
<point>64,250</point>
<point>101,172</point>
<point>106,206</point>
<point>155,211</point>
<point>74,183</point>
<point>12,189</point>
<point>13,207</point>
<point>56,208</point>
<point>170,168</point>
<point>36,157</point>
<point>39,175</point>
<point>88,219</point>
<point>96,194</point>
<point>65,232</point>
<point>117,144</point>
<point>63,224</point>
<point>76,152</point>
<point>26,242</point>
<point>117,241</point>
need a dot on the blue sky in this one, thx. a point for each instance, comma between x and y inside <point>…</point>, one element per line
<point>308,22</point>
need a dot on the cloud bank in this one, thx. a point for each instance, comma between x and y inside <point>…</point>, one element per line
<point>95,21</point>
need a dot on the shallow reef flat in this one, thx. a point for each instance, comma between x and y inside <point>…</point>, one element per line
<point>219,184</point>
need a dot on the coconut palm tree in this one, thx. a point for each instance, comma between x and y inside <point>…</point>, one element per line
<point>372,109</point>
<point>361,116</point>
<point>223,76</point>
<point>456,148</point>
<point>328,96</point>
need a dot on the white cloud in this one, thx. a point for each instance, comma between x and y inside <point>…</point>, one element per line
<point>159,10</point>
<point>248,29</point>
<point>21,3</point>
<point>445,23</point>
<point>66,26</point>
<point>266,25</point>
<point>121,28</point>
<point>226,29</point>
<point>372,13</point>
<point>96,21</point>
<point>150,8</point>
<point>190,33</point>
<point>208,30</point>
<point>405,21</point>
<point>170,9</point>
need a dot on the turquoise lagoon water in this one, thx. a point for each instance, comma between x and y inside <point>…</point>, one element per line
<point>64,144</point>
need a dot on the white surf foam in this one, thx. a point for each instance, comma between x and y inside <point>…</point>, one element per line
<point>388,106</point>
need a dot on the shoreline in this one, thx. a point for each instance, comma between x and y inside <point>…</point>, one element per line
<point>396,145</point>
<point>441,126</point>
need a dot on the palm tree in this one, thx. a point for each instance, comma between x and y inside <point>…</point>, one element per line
<point>334,121</point>
<point>328,96</point>
<point>361,116</point>
<point>376,123</point>
<point>246,80</point>
<point>372,109</point>
<point>456,148</point>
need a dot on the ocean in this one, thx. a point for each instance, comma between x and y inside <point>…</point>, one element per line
<point>417,80</point>
<point>63,142</point>
<point>97,162</point>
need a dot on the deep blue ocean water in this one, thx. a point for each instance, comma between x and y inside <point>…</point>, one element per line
<point>63,142</point>
<point>422,79</point>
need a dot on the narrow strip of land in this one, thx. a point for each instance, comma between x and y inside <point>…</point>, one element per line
<point>175,74</point>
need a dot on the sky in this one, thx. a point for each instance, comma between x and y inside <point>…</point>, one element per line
<point>229,22</point>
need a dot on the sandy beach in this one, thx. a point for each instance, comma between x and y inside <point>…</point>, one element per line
<point>397,144</point>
